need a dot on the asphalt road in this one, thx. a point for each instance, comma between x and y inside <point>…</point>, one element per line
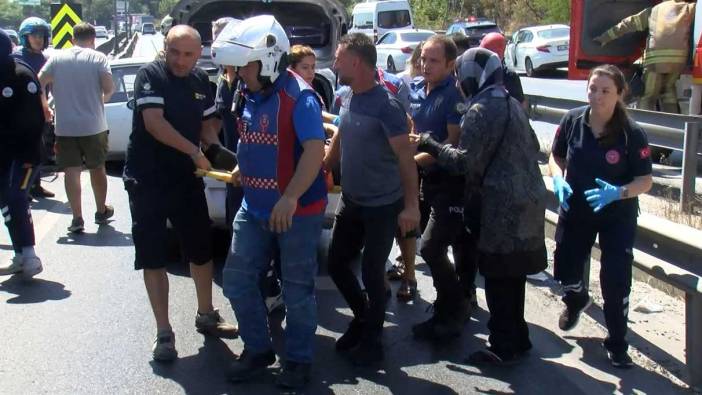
<point>84,326</point>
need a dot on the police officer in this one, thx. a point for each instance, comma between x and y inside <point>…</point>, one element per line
<point>20,130</point>
<point>173,116</point>
<point>434,109</point>
<point>34,36</point>
<point>605,159</point>
<point>281,147</point>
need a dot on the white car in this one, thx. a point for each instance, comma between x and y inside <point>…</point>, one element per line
<point>538,48</point>
<point>101,32</point>
<point>117,112</point>
<point>395,47</point>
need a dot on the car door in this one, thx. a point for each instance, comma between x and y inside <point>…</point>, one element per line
<point>380,49</point>
<point>523,47</point>
<point>510,58</point>
<point>387,48</point>
<point>117,113</point>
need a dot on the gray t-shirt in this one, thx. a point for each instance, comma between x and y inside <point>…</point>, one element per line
<point>77,90</point>
<point>370,174</point>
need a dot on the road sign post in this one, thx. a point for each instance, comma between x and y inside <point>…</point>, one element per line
<point>63,17</point>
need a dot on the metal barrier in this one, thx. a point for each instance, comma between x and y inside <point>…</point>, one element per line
<point>679,278</point>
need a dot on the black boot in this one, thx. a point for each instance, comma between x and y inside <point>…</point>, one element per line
<point>249,365</point>
<point>352,337</point>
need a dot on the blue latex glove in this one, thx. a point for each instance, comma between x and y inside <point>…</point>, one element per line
<point>602,196</point>
<point>336,121</point>
<point>562,191</point>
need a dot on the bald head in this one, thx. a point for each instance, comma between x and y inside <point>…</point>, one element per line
<point>183,49</point>
<point>186,32</point>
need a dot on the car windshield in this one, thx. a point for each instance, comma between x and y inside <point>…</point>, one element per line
<point>393,19</point>
<point>415,37</point>
<point>363,21</point>
<point>563,32</point>
<point>123,78</point>
<point>482,29</point>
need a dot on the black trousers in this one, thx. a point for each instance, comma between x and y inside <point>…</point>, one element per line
<point>446,228</point>
<point>575,236</point>
<point>371,229</point>
<point>509,334</point>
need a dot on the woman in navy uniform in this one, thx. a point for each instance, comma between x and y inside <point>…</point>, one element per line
<point>606,161</point>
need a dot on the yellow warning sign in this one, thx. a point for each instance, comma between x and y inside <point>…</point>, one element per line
<point>63,18</point>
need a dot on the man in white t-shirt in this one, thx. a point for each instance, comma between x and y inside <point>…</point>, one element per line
<point>81,82</point>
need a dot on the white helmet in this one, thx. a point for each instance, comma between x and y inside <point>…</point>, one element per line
<point>260,38</point>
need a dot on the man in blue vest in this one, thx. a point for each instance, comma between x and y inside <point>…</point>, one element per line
<point>281,147</point>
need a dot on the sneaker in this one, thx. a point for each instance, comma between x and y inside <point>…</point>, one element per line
<point>620,360</point>
<point>31,266</point>
<point>249,365</point>
<point>273,303</point>
<point>39,191</point>
<point>77,225</point>
<point>575,305</point>
<point>367,353</point>
<point>164,346</point>
<point>352,337</point>
<point>294,375</point>
<point>213,324</point>
<point>102,218</point>
<point>14,266</point>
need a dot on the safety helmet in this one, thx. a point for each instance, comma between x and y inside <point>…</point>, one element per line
<point>495,42</point>
<point>33,25</point>
<point>260,38</point>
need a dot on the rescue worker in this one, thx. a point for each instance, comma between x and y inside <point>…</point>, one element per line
<point>498,154</point>
<point>34,35</point>
<point>281,147</point>
<point>173,117</point>
<point>20,130</point>
<point>667,48</point>
<point>600,162</point>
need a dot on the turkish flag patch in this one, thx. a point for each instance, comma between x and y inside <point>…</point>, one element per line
<point>645,153</point>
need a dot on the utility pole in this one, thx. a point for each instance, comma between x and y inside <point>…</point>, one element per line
<point>115,28</point>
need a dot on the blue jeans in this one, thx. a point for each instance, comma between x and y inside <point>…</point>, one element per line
<point>249,259</point>
<point>15,181</point>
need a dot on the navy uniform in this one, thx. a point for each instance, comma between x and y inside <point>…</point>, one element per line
<point>21,125</point>
<point>160,180</point>
<point>617,163</point>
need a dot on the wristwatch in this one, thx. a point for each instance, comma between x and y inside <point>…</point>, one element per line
<point>624,192</point>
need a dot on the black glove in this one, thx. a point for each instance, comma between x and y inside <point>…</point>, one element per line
<point>429,145</point>
<point>220,157</point>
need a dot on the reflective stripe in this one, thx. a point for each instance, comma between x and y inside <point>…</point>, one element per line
<point>8,218</point>
<point>5,210</point>
<point>149,100</point>
<point>625,301</point>
<point>25,181</point>
<point>209,111</point>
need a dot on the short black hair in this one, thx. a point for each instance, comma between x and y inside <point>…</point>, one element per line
<point>461,41</point>
<point>450,50</point>
<point>362,46</point>
<point>83,31</point>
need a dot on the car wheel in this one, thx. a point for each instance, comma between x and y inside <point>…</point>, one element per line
<point>391,65</point>
<point>529,67</point>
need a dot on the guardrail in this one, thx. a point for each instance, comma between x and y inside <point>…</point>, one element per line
<point>673,131</point>
<point>682,279</point>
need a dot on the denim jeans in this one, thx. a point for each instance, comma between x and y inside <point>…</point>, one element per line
<point>249,260</point>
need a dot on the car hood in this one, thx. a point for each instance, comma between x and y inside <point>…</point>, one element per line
<point>317,23</point>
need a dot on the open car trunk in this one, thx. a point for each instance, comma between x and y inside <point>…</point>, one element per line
<point>589,19</point>
<point>317,23</point>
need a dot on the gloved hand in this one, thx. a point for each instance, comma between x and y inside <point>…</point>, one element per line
<point>602,196</point>
<point>602,40</point>
<point>563,191</point>
<point>220,157</point>
<point>427,144</point>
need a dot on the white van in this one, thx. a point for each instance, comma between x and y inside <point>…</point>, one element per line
<point>378,17</point>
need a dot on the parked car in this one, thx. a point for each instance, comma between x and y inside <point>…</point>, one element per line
<point>148,28</point>
<point>375,18</point>
<point>396,46</point>
<point>474,28</point>
<point>537,48</point>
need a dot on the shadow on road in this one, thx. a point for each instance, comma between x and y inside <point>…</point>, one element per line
<point>106,236</point>
<point>36,290</point>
